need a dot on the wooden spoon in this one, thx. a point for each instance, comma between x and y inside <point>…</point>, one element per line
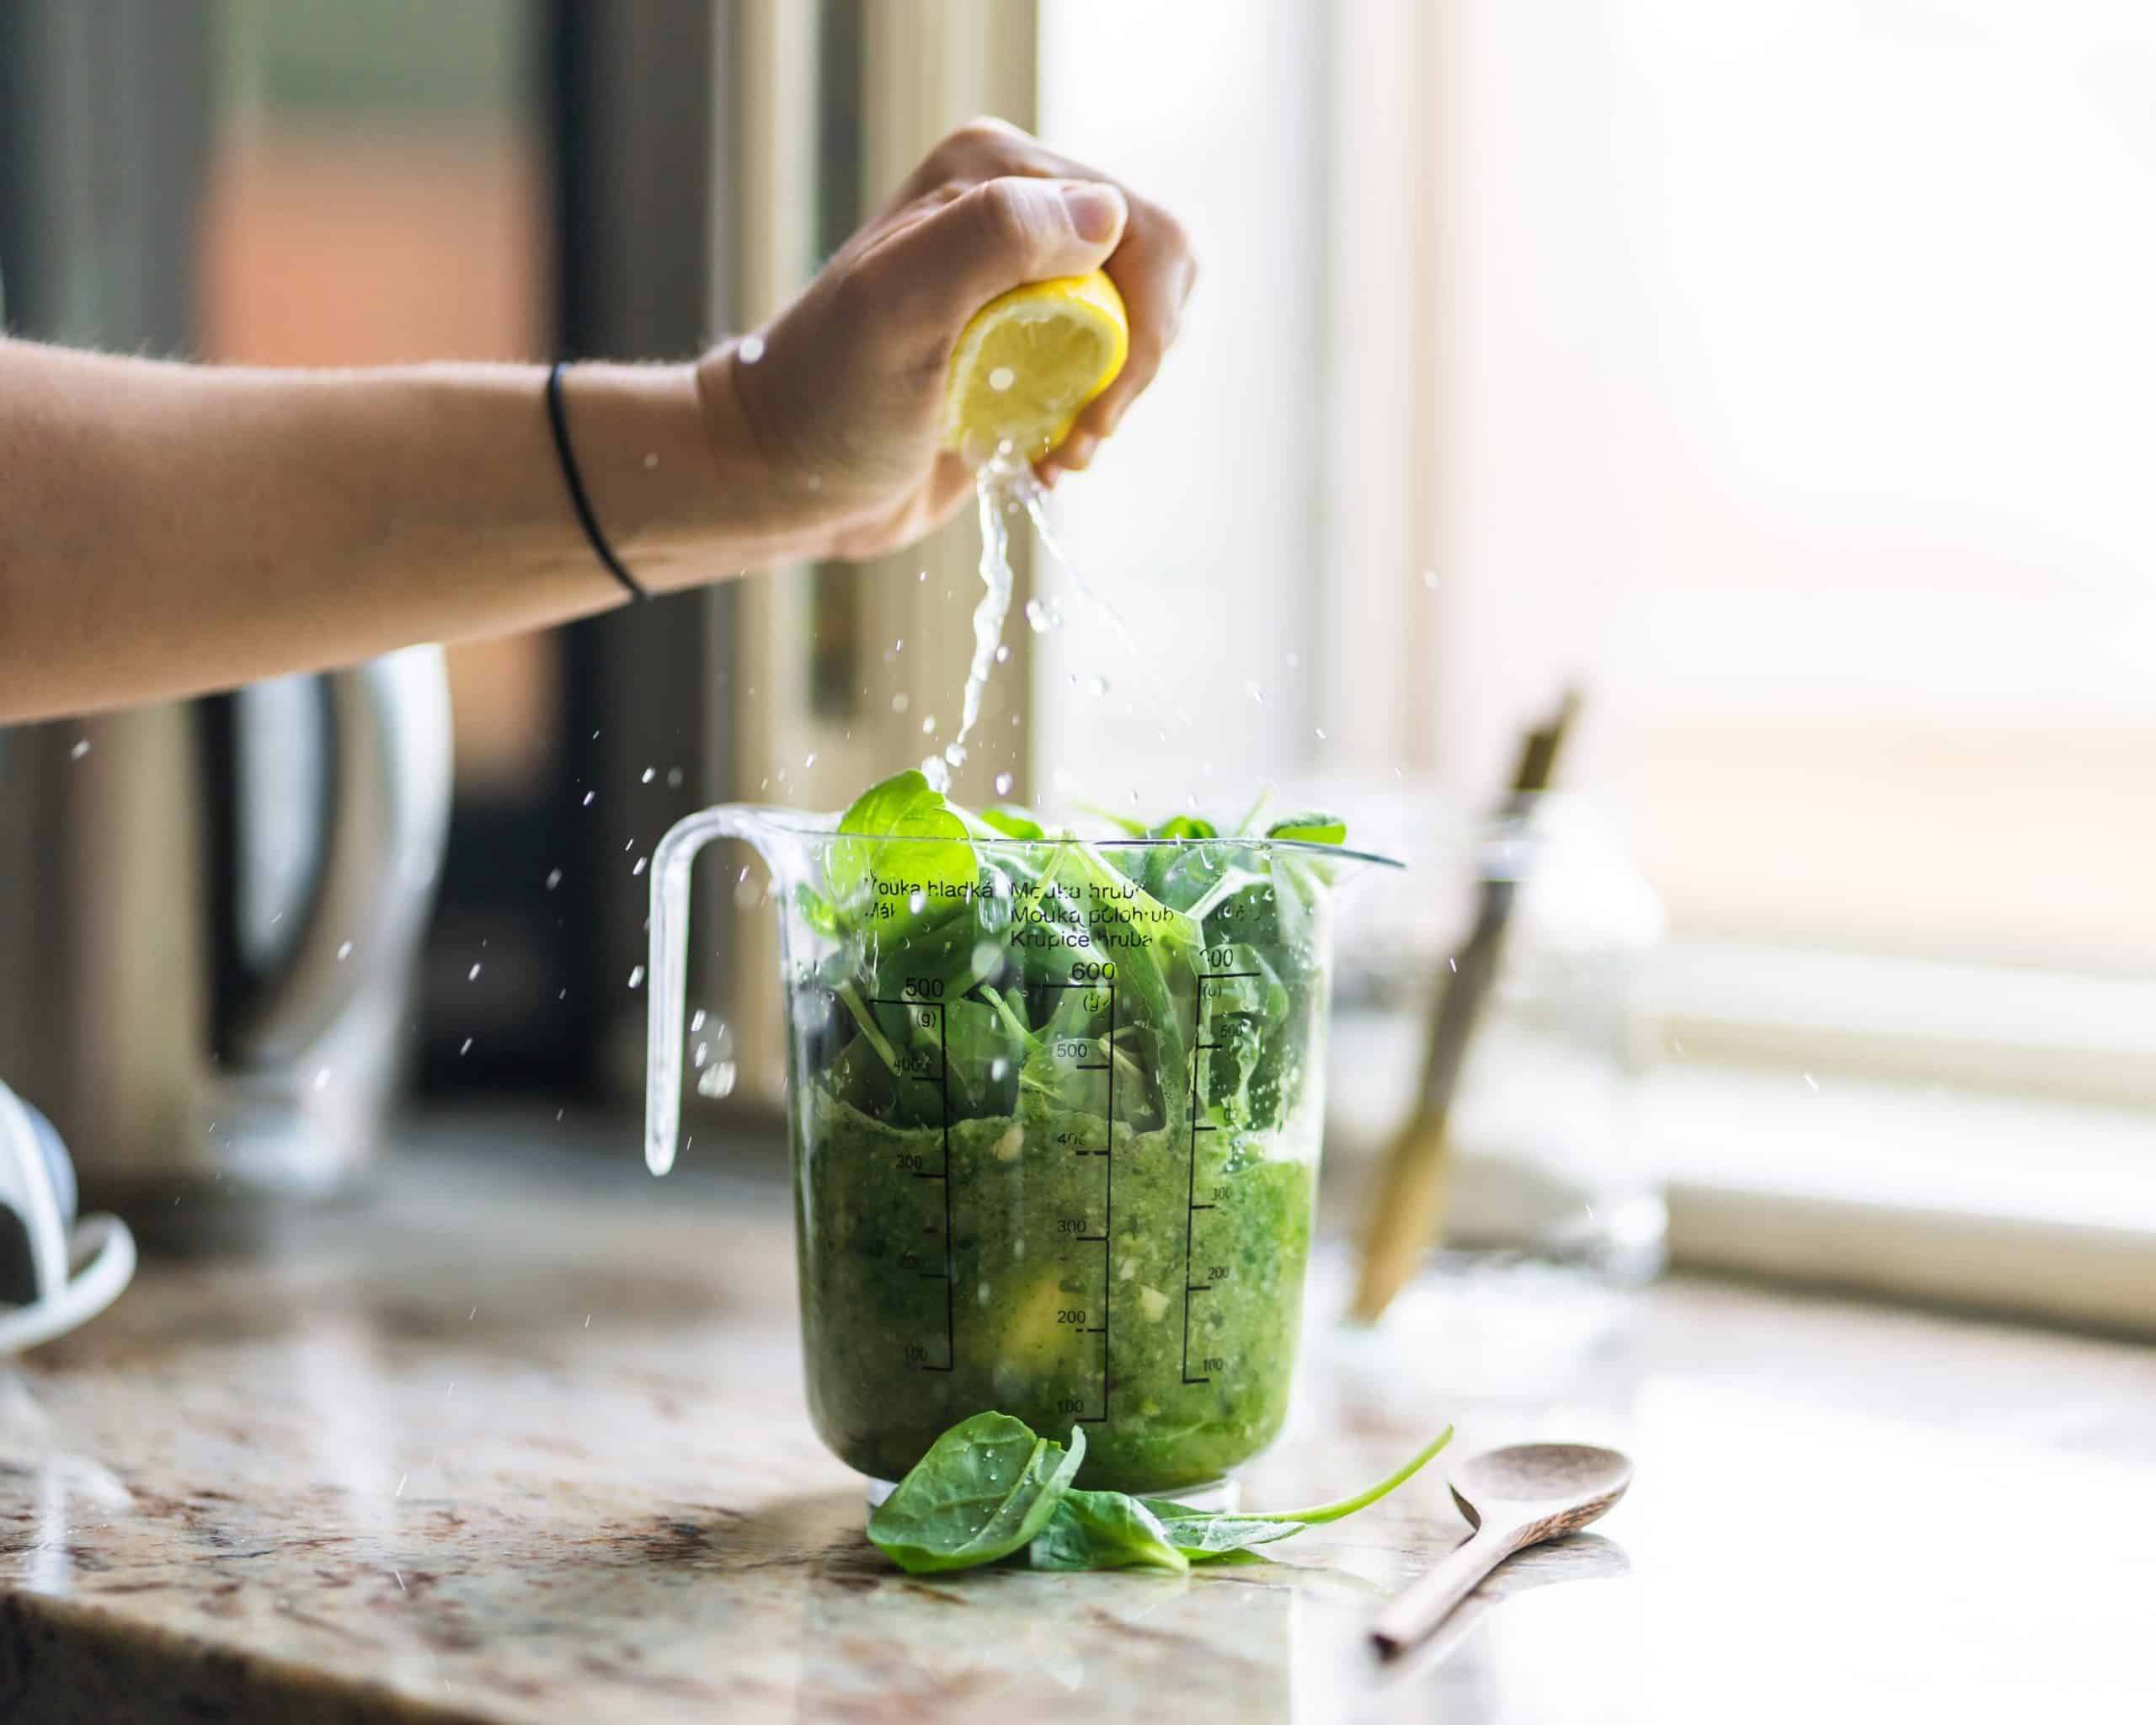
<point>1514,1498</point>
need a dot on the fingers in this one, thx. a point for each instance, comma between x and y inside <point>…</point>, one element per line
<point>1153,270</point>
<point>1152,264</point>
<point>960,252</point>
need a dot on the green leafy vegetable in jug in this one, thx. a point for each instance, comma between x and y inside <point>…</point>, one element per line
<point>1056,1127</point>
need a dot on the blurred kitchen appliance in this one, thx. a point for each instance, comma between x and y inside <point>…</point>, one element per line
<point>209,914</point>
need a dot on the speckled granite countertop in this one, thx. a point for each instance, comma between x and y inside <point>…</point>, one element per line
<point>526,1441</point>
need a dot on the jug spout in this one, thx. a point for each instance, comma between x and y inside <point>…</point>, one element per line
<point>669,981</point>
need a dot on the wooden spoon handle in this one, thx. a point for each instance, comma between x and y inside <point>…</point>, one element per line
<point>1423,1606</point>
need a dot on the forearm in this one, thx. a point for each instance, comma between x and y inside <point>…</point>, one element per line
<point>165,529</point>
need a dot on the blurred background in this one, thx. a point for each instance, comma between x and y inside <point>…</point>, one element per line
<point>1772,375</point>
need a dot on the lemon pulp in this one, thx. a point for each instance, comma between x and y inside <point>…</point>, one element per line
<point>1029,362</point>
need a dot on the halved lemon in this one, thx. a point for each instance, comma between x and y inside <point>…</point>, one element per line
<point>1029,362</point>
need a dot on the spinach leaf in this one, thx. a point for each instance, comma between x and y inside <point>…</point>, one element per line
<point>1013,822</point>
<point>1104,1530</point>
<point>983,1490</point>
<point>1202,1535</point>
<point>1309,829</point>
<point>911,844</point>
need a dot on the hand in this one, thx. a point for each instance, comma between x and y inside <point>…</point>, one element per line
<point>839,405</point>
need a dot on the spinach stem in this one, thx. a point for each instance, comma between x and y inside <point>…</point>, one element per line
<point>1362,1500</point>
<point>852,996</point>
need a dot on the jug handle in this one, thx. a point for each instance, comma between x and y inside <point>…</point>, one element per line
<point>386,830</point>
<point>669,981</point>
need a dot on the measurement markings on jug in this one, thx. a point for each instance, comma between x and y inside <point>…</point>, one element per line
<point>1216,1274</point>
<point>920,1003</point>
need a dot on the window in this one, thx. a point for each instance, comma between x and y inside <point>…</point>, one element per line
<point>1777,373</point>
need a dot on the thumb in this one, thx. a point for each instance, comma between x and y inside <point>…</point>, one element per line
<point>997,235</point>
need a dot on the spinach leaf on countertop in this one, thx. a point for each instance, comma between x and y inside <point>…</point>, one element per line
<point>983,1490</point>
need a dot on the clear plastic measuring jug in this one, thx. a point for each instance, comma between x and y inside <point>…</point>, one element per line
<point>1054,1108</point>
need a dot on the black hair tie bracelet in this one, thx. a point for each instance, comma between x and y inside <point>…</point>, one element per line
<point>574,481</point>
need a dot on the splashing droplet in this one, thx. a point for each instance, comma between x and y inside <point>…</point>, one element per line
<point>716,1080</point>
<point>636,977</point>
<point>590,798</point>
<point>928,726</point>
<point>1099,685</point>
<point>649,774</point>
<point>82,748</point>
<point>473,975</point>
<point>1003,784</point>
<point>343,951</point>
<point>643,863</point>
<point>899,702</point>
<point>554,879</point>
<point>750,350</point>
<point>1255,693</point>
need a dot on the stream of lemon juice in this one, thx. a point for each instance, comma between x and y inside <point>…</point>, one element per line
<point>1004,485</point>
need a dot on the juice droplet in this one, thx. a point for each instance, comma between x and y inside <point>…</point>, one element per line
<point>1002,378</point>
